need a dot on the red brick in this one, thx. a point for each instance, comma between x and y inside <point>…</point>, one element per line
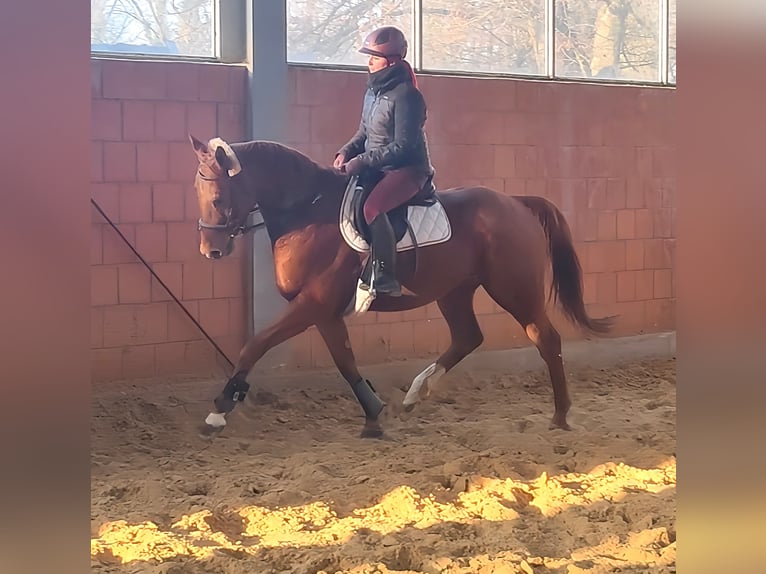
<point>663,162</point>
<point>107,197</point>
<point>183,163</point>
<point>170,121</point>
<point>322,87</point>
<point>606,287</point>
<point>96,327</point>
<point>644,224</point>
<point>170,358</point>
<point>134,283</point>
<point>470,126</point>
<point>168,202</point>
<point>661,314</point>
<point>238,317</point>
<point>626,224</point>
<point>183,242</point>
<point>153,159</point>
<point>626,286</point>
<point>616,193</point>
<point>586,225</point>
<point>658,254</point>
<point>135,324</point>
<point>516,129</point>
<point>631,319</point>
<point>573,193</point>
<point>96,161</point>
<point>228,279</point>
<point>663,279</point>
<point>667,192</point>
<point>180,326</point>
<point>402,338</point>
<point>238,83</point>
<point>231,122</point>
<point>171,274</point>
<point>590,283</point>
<point>527,161</point>
<point>103,285</point>
<point>138,121</point>
<point>644,285</point>
<point>505,162</point>
<point>151,241</point>
<point>597,193</point>
<point>606,256</point>
<point>201,120</point>
<point>214,83</point>
<point>115,249</point>
<point>607,225</point>
<point>201,358</point>
<point>663,221</point>
<point>183,81</point>
<point>214,316</point>
<point>635,194</point>
<point>134,80</point>
<point>119,162</point>
<point>138,362</point>
<point>634,254</point>
<point>198,279</point>
<point>513,186</point>
<point>135,203</point>
<point>299,124</point>
<point>535,188</point>
<point>106,364</point>
<point>106,120</point>
<point>96,245</point>
<point>541,128</point>
<point>95,80</point>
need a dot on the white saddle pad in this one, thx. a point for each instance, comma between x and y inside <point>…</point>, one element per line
<point>429,223</point>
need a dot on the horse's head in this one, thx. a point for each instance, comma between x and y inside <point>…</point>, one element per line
<point>223,207</point>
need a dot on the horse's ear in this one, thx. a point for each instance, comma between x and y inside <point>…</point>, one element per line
<point>199,147</point>
<point>222,158</point>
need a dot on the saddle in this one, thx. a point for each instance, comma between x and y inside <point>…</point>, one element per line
<point>361,190</point>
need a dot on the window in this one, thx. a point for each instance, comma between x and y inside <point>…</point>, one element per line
<point>672,43</point>
<point>484,36</point>
<point>613,39</point>
<point>331,31</point>
<point>154,27</point>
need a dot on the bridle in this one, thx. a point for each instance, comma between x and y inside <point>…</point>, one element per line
<point>233,229</point>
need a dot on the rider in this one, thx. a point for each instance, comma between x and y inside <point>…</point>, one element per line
<point>391,143</point>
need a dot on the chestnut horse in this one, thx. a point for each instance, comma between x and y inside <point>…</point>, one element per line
<point>502,243</point>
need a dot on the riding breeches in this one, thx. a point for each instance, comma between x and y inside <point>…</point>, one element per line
<point>395,188</point>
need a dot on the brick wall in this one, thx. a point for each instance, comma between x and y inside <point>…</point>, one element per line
<point>142,172</point>
<point>604,154</point>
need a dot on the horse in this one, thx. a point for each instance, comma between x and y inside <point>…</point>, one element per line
<point>505,244</point>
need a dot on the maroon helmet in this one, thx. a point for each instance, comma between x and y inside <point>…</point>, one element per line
<point>385,42</point>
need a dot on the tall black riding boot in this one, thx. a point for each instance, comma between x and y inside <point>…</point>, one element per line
<point>384,257</point>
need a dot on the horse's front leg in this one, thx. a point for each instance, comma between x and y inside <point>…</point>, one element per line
<point>335,335</point>
<point>299,316</point>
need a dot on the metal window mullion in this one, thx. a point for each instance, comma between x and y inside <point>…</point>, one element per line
<point>664,54</point>
<point>550,38</point>
<point>231,30</point>
<point>417,34</point>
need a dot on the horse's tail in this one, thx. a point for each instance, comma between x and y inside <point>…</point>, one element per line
<point>567,272</point>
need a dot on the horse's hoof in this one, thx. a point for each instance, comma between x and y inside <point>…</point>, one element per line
<point>409,408</point>
<point>207,431</point>
<point>371,433</point>
<point>559,423</point>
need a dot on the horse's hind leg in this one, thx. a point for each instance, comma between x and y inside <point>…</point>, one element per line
<point>335,335</point>
<point>457,309</point>
<point>530,313</point>
<point>548,342</point>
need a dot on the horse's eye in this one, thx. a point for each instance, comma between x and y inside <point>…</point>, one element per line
<point>216,203</point>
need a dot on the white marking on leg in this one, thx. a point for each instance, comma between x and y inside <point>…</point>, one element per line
<point>216,420</point>
<point>364,299</point>
<point>423,384</point>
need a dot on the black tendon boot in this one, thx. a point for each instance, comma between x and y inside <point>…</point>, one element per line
<point>384,253</point>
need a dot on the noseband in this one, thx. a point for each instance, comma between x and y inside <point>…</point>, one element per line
<point>229,227</point>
